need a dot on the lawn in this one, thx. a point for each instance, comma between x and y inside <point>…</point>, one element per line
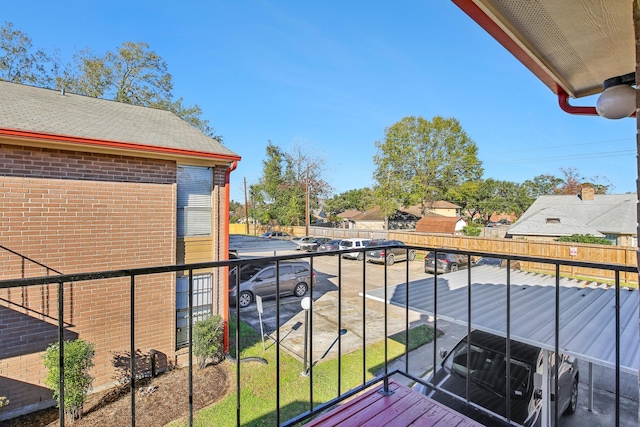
<point>258,380</point>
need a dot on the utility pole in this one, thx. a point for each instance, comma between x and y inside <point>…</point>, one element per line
<point>306,205</point>
<point>246,207</point>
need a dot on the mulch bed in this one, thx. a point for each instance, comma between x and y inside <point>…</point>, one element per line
<point>159,401</point>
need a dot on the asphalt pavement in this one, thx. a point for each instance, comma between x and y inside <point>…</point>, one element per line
<point>331,336</point>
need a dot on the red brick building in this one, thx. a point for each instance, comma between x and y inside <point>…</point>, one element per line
<point>89,185</point>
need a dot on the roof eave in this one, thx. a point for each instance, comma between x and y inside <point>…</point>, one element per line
<point>115,145</point>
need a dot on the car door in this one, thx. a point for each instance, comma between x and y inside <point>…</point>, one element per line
<point>264,283</point>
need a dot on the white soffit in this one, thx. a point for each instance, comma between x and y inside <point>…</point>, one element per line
<point>575,44</point>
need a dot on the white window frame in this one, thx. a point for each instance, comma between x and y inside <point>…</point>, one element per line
<point>195,202</point>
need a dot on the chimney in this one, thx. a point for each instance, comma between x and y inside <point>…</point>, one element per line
<point>587,193</point>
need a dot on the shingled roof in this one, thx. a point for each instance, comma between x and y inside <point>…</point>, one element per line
<point>565,215</point>
<point>27,111</point>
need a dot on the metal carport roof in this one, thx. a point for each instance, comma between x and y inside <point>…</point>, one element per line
<point>587,311</point>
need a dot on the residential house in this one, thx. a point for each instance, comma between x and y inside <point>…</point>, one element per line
<point>439,207</point>
<point>347,218</point>
<point>611,216</point>
<point>373,219</point>
<point>95,185</point>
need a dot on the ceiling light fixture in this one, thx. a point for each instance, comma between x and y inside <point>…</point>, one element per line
<point>618,100</point>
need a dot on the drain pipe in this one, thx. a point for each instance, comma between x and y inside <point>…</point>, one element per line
<point>225,255</point>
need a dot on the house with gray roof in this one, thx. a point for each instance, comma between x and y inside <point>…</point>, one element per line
<point>90,184</point>
<point>611,216</point>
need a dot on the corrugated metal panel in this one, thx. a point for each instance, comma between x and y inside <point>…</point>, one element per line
<point>587,312</point>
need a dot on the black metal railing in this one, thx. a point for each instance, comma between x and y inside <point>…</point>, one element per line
<point>315,408</point>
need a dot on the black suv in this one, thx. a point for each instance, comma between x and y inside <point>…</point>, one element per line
<point>446,262</point>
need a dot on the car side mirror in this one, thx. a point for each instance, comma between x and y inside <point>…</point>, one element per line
<point>443,353</point>
<point>537,380</point>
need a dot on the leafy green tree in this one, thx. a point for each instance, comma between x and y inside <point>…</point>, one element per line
<point>78,360</point>
<point>20,62</point>
<point>420,160</point>
<point>280,195</point>
<point>571,183</point>
<point>359,199</point>
<point>541,185</point>
<point>483,198</point>
<point>133,74</point>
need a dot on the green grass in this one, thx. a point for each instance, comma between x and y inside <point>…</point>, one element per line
<point>258,381</point>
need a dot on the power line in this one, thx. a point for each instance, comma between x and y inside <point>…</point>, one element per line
<point>604,154</point>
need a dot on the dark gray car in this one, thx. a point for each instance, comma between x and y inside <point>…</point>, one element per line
<point>261,279</point>
<point>446,262</point>
<point>384,253</point>
<point>483,363</point>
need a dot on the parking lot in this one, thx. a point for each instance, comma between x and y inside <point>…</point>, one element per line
<point>351,332</point>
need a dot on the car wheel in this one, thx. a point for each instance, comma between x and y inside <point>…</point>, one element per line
<point>454,267</point>
<point>573,402</point>
<point>412,255</point>
<point>300,289</point>
<point>360,256</point>
<point>390,260</point>
<point>245,298</point>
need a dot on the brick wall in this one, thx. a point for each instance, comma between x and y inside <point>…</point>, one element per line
<point>76,212</point>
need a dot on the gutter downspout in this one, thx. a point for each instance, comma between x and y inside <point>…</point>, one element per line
<point>225,255</point>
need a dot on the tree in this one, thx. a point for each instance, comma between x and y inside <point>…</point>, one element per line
<point>483,198</point>
<point>78,360</point>
<point>359,199</point>
<point>133,74</point>
<point>20,62</point>
<point>571,184</point>
<point>541,185</point>
<point>420,160</point>
<point>280,196</point>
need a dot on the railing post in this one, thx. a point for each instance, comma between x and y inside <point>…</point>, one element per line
<point>61,355</point>
<point>132,354</point>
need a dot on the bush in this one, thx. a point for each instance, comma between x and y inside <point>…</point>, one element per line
<point>78,359</point>
<point>584,238</point>
<point>207,340</point>
<point>471,230</point>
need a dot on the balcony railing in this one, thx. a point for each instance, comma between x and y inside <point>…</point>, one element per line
<point>405,293</point>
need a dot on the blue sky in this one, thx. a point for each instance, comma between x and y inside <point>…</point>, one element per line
<point>330,76</point>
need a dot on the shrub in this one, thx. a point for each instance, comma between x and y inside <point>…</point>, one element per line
<point>207,340</point>
<point>471,230</point>
<point>584,238</point>
<point>78,359</point>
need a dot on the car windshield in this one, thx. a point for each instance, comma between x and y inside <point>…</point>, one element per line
<point>487,369</point>
<point>441,255</point>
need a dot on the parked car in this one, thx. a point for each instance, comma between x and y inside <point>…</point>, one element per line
<point>354,243</point>
<point>331,245</point>
<point>497,262</point>
<point>315,243</point>
<point>260,279</point>
<point>446,262</point>
<point>299,241</point>
<point>485,368</point>
<point>277,235</point>
<point>388,255</point>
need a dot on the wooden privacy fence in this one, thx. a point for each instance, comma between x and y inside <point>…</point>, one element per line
<point>548,249</point>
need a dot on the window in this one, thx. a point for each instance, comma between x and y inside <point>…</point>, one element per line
<point>613,238</point>
<point>195,185</point>
<point>202,291</point>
